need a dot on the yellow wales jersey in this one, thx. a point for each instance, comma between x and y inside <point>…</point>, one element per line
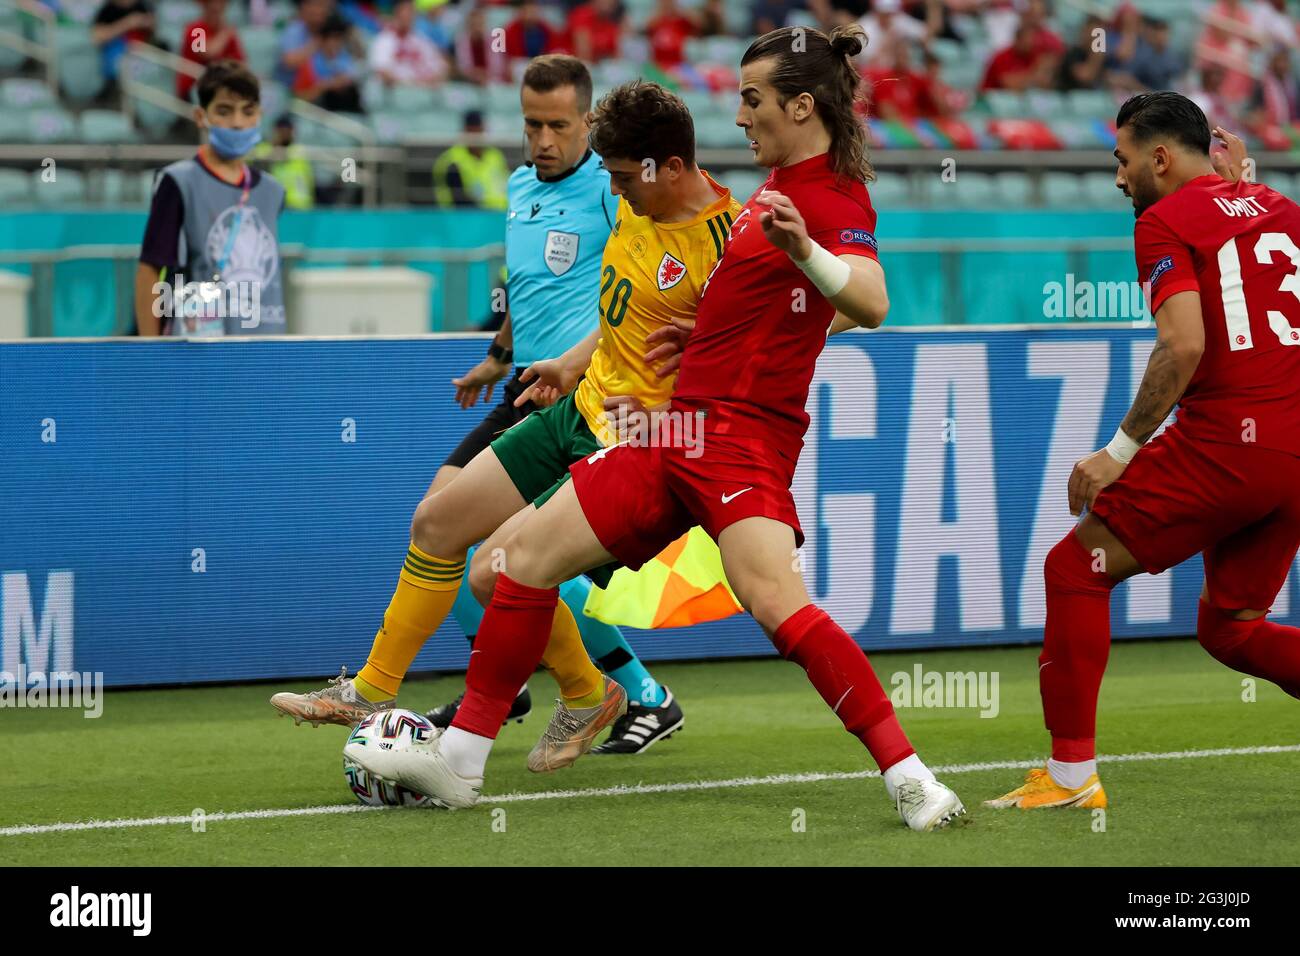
<point>651,273</point>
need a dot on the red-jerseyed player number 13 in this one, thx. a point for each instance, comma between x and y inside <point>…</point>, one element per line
<point>1234,293</point>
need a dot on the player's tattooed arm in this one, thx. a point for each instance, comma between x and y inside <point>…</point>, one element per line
<point>1179,344</point>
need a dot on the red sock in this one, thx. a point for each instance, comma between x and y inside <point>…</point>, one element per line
<point>1076,643</point>
<point>843,676</point>
<point>1259,647</point>
<point>507,649</point>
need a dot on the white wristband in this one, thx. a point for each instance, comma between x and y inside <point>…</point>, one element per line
<point>829,274</point>
<point>1122,448</point>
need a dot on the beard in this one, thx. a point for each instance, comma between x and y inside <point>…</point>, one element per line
<point>1143,192</point>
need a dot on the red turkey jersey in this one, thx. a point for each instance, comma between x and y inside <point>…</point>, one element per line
<point>1238,244</point>
<point>761,323</point>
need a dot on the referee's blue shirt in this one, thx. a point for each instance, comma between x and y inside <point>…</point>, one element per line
<point>555,237</point>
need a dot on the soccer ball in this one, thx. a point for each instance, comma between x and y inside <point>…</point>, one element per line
<point>389,730</point>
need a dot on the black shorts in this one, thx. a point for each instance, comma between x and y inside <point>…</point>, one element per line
<point>496,421</point>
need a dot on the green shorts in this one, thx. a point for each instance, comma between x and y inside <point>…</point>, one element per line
<point>537,452</point>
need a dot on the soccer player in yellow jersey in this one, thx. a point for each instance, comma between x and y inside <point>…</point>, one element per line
<point>671,225</point>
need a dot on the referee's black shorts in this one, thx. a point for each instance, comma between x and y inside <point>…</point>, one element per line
<point>494,423</point>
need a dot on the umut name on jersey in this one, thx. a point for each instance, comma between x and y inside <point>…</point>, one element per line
<point>1238,246</point>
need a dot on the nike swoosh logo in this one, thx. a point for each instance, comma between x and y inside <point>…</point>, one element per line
<point>726,499</point>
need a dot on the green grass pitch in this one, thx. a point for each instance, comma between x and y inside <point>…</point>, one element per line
<point>166,753</point>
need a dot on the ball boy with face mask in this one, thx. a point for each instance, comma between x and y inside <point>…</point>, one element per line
<point>210,259</point>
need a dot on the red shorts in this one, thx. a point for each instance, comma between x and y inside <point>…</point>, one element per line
<point>1239,505</point>
<point>638,499</point>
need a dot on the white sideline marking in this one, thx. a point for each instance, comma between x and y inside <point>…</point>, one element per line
<point>772,780</point>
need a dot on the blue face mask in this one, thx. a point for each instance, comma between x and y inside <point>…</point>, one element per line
<point>231,143</point>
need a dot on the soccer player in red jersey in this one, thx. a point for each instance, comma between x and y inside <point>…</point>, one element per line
<point>1221,262</point>
<point>800,262</point>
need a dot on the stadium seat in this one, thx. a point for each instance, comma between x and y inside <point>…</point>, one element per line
<point>389,127</point>
<point>891,190</point>
<point>497,124</point>
<point>105,126</point>
<point>10,22</point>
<point>501,97</point>
<point>15,187</point>
<point>1015,189</point>
<point>51,124</point>
<point>261,47</point>
<point>716,134</point>
<point>1075,133</point>
<point>375,94</point>
<point>21,93</point>
<point>971,190</point>
<point>1091,104</point>
<point>67,189</point>
<point>460,97</point>
<point>1062,190</point>
<point>411,99</point>
<point>275,101</point>
<point>13,127</point>
<point>1045,104</point>
<point>80,78</point>
<point>1006,104</point>
<point>743,183</point>
<point>1099,190</point>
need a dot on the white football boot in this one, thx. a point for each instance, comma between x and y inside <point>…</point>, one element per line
<point>926,805</point>
<point>421,768</point>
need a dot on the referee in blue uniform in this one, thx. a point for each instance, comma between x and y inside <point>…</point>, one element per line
<point>560,212</point>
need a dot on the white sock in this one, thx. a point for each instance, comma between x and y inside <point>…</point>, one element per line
<point>907,767</point>
<point>464,752</point>
<point>1072,775</point>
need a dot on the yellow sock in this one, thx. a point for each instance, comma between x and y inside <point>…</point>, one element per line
<point>566,659</point>
<point>426,590</point>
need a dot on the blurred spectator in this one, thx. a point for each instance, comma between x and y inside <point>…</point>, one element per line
<point>595,29</point>
<point>528,34</point>
<point>887,23</point>
<point>300,38</point>
<point>481,56</point>
<point>294,170</point>
<point>1000,19</point>
<point>468,174</point>
<point>1273,21</point>
<point>1206,92</point>
<point>1083,66</point>
<point>900,92</point>
<point>668,30</point>
<point>769,15</point>
<point>1156,65</point>
<point>117,23</point>
<point>711,19</point>
<point>206,40</point>
<point>328,77</point>
<point>1228,41</point>
<point>440,21</point>
<point>1277,95</point>
<point>1023,65</point>
<point>1045,39</point>
<point>400,56</point>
